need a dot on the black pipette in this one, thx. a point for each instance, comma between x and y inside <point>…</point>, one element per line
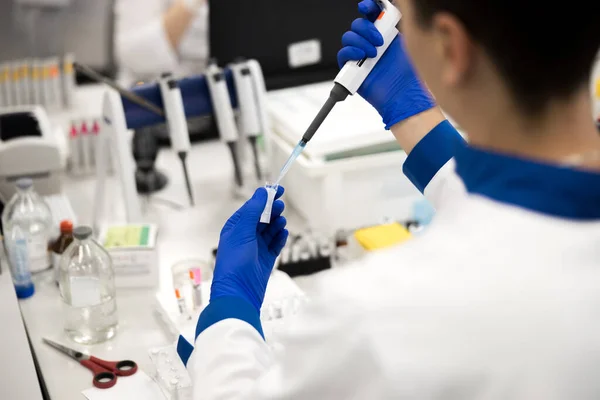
<point>351,76</point>
<point>338,93</point>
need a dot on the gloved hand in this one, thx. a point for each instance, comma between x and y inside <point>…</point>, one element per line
<point>248,249</point>
<point>392,87</point>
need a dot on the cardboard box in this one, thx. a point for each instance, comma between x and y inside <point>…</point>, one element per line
<point>134,254</point>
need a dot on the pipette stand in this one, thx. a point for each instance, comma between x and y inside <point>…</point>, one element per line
<point>114,140</point>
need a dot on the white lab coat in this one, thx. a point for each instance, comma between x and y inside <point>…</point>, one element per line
<point>498,299</point>
<point>141,45</point>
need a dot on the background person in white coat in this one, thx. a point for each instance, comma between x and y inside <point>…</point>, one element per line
<point>500,297</point>
<point>156,36</point>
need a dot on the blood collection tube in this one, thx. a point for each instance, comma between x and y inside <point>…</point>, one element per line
<point>74,148</point>
<point>94,141</point>
<point>15,85</point>
<point>24,82</point>
<point>68,80</point>
<point>86,151</point>
<point>4,85</point>
<point>181,304</point>
<point>54,83</point>
<point>195,279</point>
<point>37,95</point>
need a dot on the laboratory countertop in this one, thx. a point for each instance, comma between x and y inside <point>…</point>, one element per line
<point>182,234</point>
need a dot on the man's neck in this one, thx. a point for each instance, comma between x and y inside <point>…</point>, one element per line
<point>563,130</point>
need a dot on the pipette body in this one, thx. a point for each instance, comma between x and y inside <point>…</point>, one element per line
<point>177,124</point>
<point>250,118</point>
<point>351,76</point>
<point>223,111</point>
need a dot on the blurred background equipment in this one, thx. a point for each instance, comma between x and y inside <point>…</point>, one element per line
<point>44,28</point>
<point>25,135</point>
<point>294,45</point>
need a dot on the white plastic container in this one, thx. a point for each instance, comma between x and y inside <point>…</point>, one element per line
<point>346,193</point>
<point>27,210</point>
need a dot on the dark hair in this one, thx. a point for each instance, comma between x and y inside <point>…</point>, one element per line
<point>544,51</point>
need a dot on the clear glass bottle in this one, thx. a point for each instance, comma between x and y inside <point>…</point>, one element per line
<point>87,287</point>
<point>30,212</point>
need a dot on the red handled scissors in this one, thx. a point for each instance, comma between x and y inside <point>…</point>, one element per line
<point>105,372</point>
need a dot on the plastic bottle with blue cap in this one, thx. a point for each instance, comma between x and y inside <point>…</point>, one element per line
<point>27,210</point>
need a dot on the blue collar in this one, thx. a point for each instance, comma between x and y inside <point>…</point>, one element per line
<point>545,188</point>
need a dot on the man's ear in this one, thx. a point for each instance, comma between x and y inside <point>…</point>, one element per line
<point>454,48</point>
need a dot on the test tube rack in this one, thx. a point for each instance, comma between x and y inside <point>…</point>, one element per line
<point>283,298</point>
<point>170,373</point>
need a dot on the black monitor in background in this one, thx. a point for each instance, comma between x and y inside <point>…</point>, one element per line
<point>295,41</point>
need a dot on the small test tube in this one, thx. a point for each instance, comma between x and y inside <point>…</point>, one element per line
<point>94,141</point>
<point>44,83</point>
<point>305,255</point>
<point>181,304</point>
<point>7,83</point>
<point>36,79</point>
<point>15,84</point>
<point>23,78</point>
<point>74,148</point>
<point>4,85</point>
<point>265,217</point>
<point>68,80</point>
<point>325,247</point>
<point>86,145</point>
<point>195,279</point>
<point>286,253</point>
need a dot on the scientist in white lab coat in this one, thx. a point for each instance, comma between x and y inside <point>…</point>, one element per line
<point>500,297</point>
<point>157,36</point>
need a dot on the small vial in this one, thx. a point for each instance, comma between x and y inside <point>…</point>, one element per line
<point>181,304</point>
<point>325,248</point>
<point>285,255</point>
<point>196,281</point>
<point>311,243</point>
<point>305,255</point>
<point>296,250</point>
<point>265,217</point>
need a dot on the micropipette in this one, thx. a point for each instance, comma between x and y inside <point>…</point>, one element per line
<point>250,118</point>
<point>349,79</point>
<point>223,111</point>
<point>177,124</point>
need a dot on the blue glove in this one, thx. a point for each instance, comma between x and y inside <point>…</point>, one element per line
<point>248,249</point>
<point>392,87</point>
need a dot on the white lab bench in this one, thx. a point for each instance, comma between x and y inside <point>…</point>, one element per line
<point>182,234</point>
